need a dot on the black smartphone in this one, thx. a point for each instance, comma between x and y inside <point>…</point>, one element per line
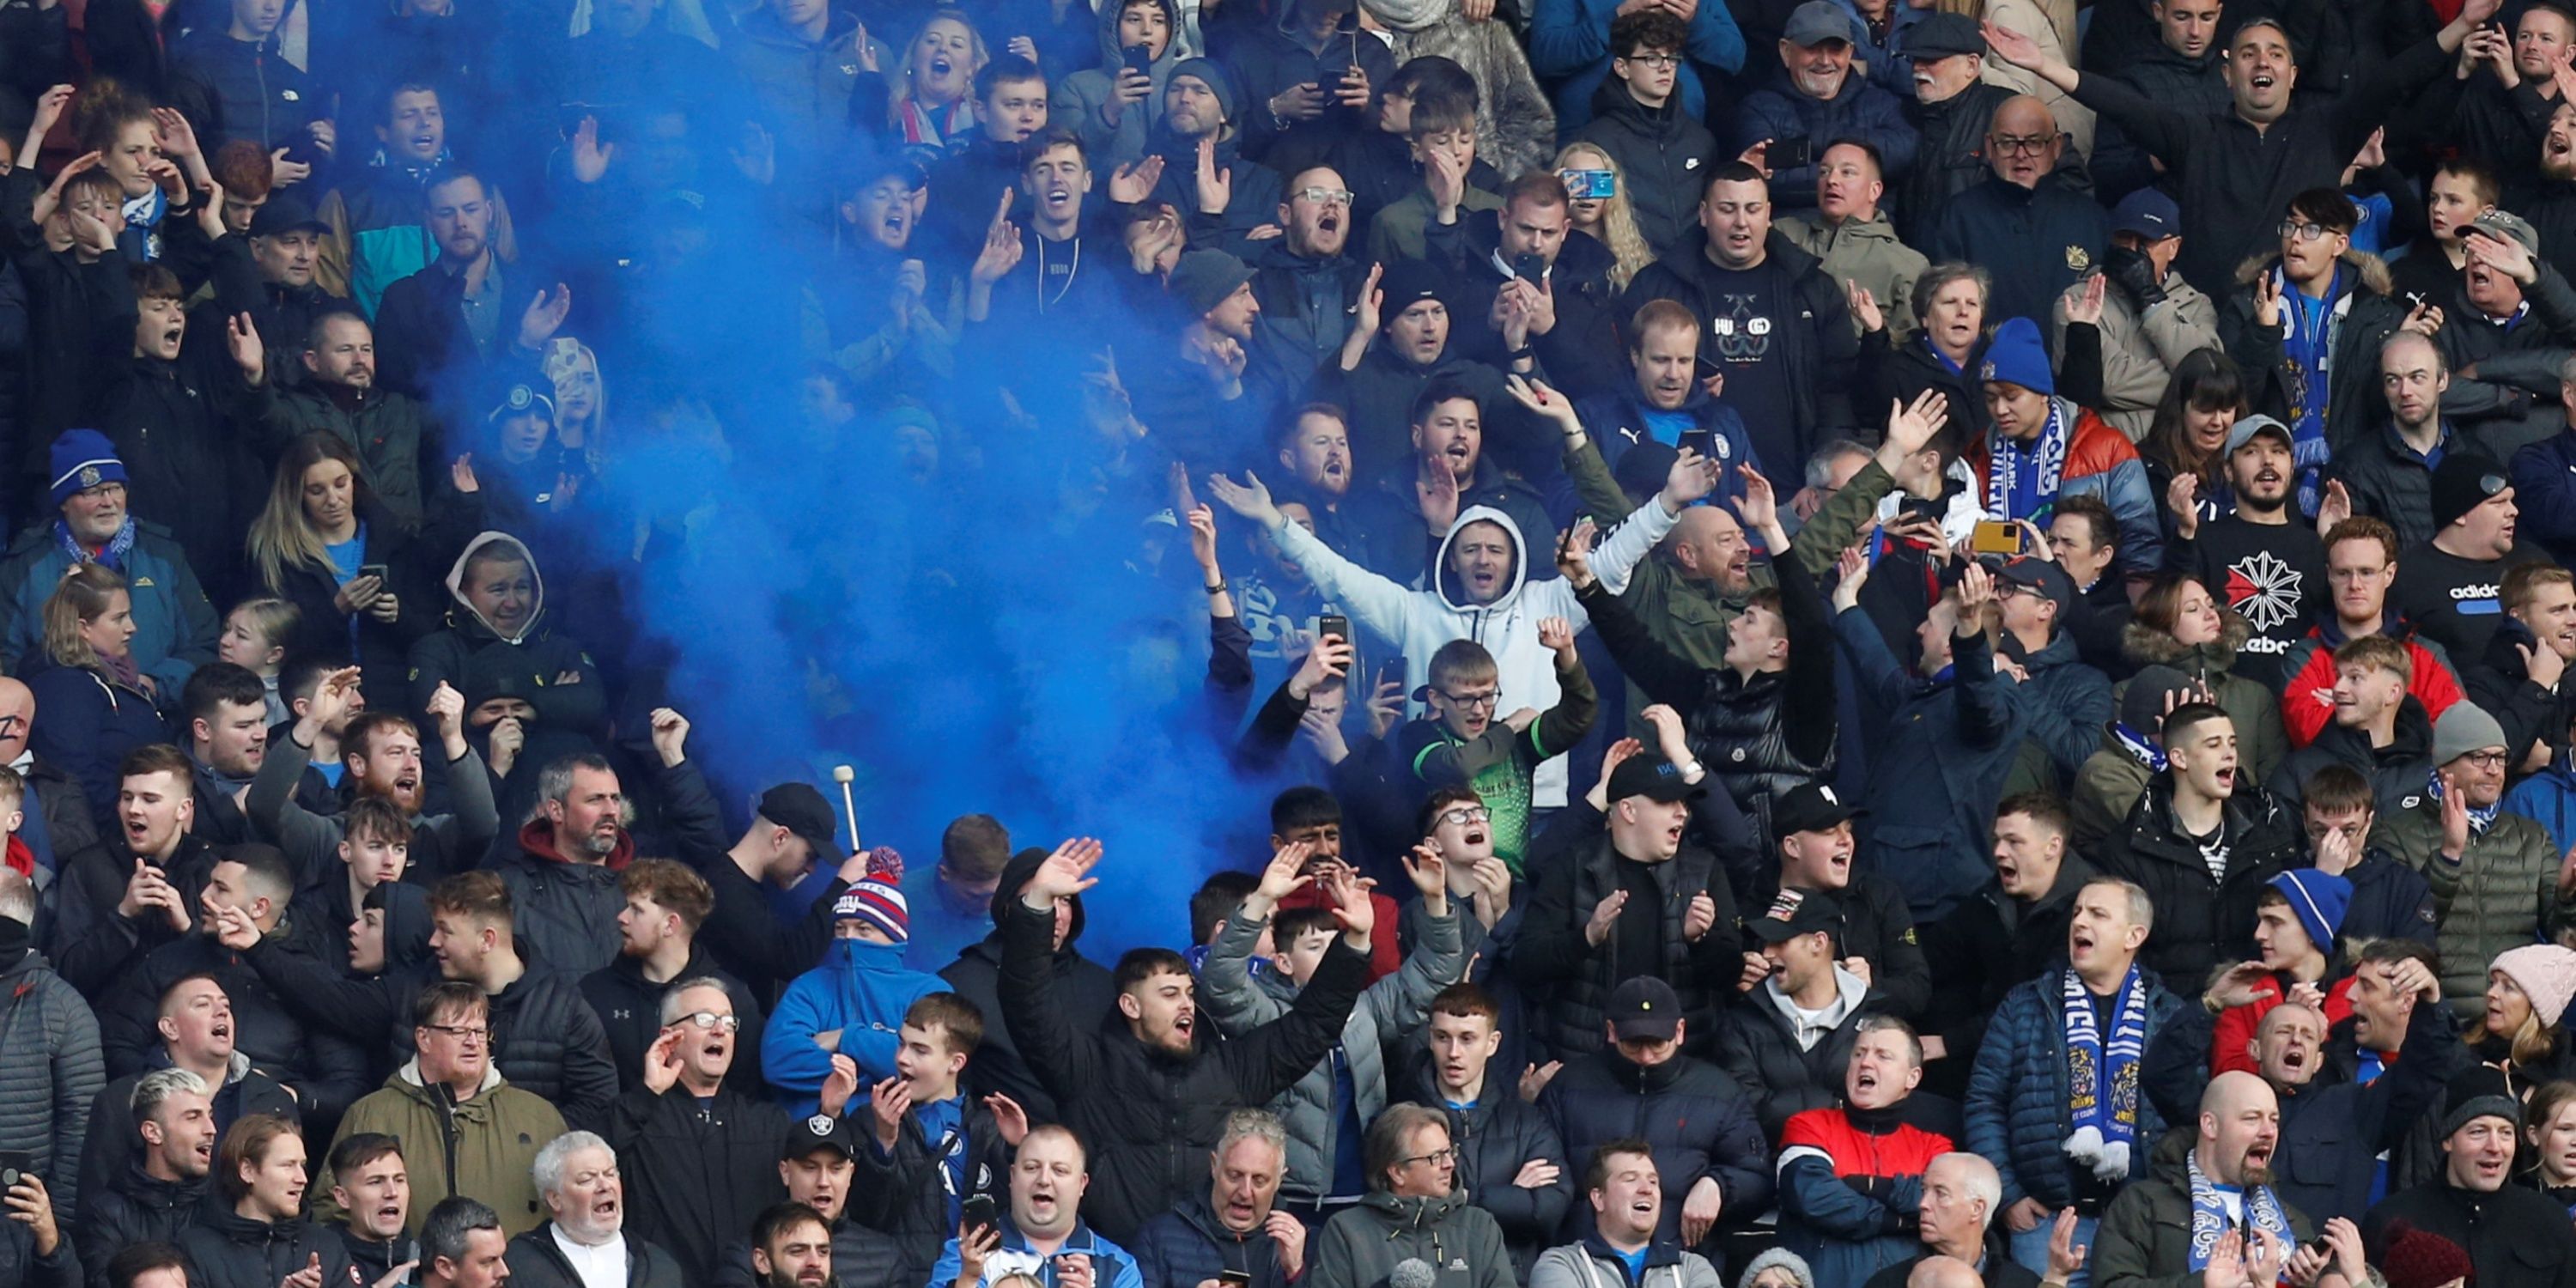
<point>1529,266</point>
<point>977,1212</point>
<point>15,1165</point>
<point>1140,60</point>
<point>1233,1278</point>
<point>381,572</point>
<point>1393,672</point>
<point>1702,441</point>
<point>1333,624</point>
<point>1789,154</point>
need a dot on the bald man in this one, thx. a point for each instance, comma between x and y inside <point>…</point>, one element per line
<point>57,820</point>
<point>2161,1228</point>
<point>2026,226</point>
<point>2335,1128</point>
<point>2388,470</point>
<point>1943,1272</point>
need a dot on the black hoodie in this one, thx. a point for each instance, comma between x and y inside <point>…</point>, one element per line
<point>1083,984</point>
<point>227,1250</point>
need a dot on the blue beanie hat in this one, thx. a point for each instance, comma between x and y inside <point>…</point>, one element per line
<point>2017,356</point>
<point>2318,900</point>
<point>82,459</point>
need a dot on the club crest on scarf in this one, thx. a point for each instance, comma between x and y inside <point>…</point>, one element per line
<point>2102,1077</point>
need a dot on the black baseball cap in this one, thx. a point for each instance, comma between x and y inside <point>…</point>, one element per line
<point>820,1131</point>
<point>1644,1006</point>
<point>1652,777</point>
<point>1797,912</point>
<point>1811,807</point>
<point>802,810</point>
<point>284,213</point>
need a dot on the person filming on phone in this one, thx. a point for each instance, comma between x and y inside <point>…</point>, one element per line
<point>1043,1236</point>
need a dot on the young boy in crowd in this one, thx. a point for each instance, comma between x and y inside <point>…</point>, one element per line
<point>852,1003</point>
<point>930,1146</point>
<point>1465,742</point>
<point>1442,136</point>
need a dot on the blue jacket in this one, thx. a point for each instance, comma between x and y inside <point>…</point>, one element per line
<point>90,723</point>
<point>2017,1096</point>
<point>1188,1245</point>
<point>174,626</point>
<point>2067,703</point>
<point>2548,797</point>
<point>1111,1266</point>
<point>1927,831</point>
<point>1861,111</point>
<point>1569,49</point>
<point>2544,484</point>
<point>861,989</point>
<point>1617,421</point>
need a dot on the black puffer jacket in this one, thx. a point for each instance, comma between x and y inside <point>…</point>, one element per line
<point>907,1197</point>
<point>234,89</point>
<point>1083,992</point>
<point>1757,1049</point>
<point>1660,153</point>
<point>1495,1137</point>
<point>1149,1117</point>
<point>134,1209</point>
<point>226,1250</point>
<point>696,1171</point>
<point>327,1070</point>
<point>2201,921</point>
<point>1575,977</point>
<point>2388,481</point>
<point>1695,1119</point>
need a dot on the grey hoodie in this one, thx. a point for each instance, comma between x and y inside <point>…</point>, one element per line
<point>1079,101</point>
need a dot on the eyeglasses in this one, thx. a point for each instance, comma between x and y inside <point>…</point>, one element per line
<point>2485,759</point>
<point>1656,62</point>
<point>1471,701</point>
<point>462,1033</point>
<point>1325,196</point>
<point>1466,814</point>
<point>703,1020</point>
<point>1435,1158</point>
<point>2292,229</point>
<point>2029,147</point>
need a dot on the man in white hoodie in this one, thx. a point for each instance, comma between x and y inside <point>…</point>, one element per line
<point>1481,589</point>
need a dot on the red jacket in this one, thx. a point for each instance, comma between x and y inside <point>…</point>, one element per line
<point>2307,697</point>
<point>2232,1038</point>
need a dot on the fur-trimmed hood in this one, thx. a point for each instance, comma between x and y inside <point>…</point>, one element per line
<point>2144,645</point>
<point>2374,270</point>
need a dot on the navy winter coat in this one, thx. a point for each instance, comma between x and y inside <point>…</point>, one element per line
<point>2017,1096</point>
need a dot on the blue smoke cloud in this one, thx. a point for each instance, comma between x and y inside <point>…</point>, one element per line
<point>1028,644</point>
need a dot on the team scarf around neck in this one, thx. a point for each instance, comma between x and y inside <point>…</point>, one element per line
<point>2480,819</point>
<point>2209,1221</point>
<point>932,127</point>
<point>2102,1077</point>
<point>112,557</point>
<point>2004,484</point>
<point>2307,352</point>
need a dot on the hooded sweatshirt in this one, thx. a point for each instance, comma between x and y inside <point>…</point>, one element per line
<point>1079,101</point>
<point>531,660</point>
<point>860,990</point>
<point>1420,621</point>
<point>976,976</point>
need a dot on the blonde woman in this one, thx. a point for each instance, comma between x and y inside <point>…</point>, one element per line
<point>934,87</point>
<point>324,544</point>
<point>97,705</point>
<point>581,402</point>
<point>1608,220</point>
